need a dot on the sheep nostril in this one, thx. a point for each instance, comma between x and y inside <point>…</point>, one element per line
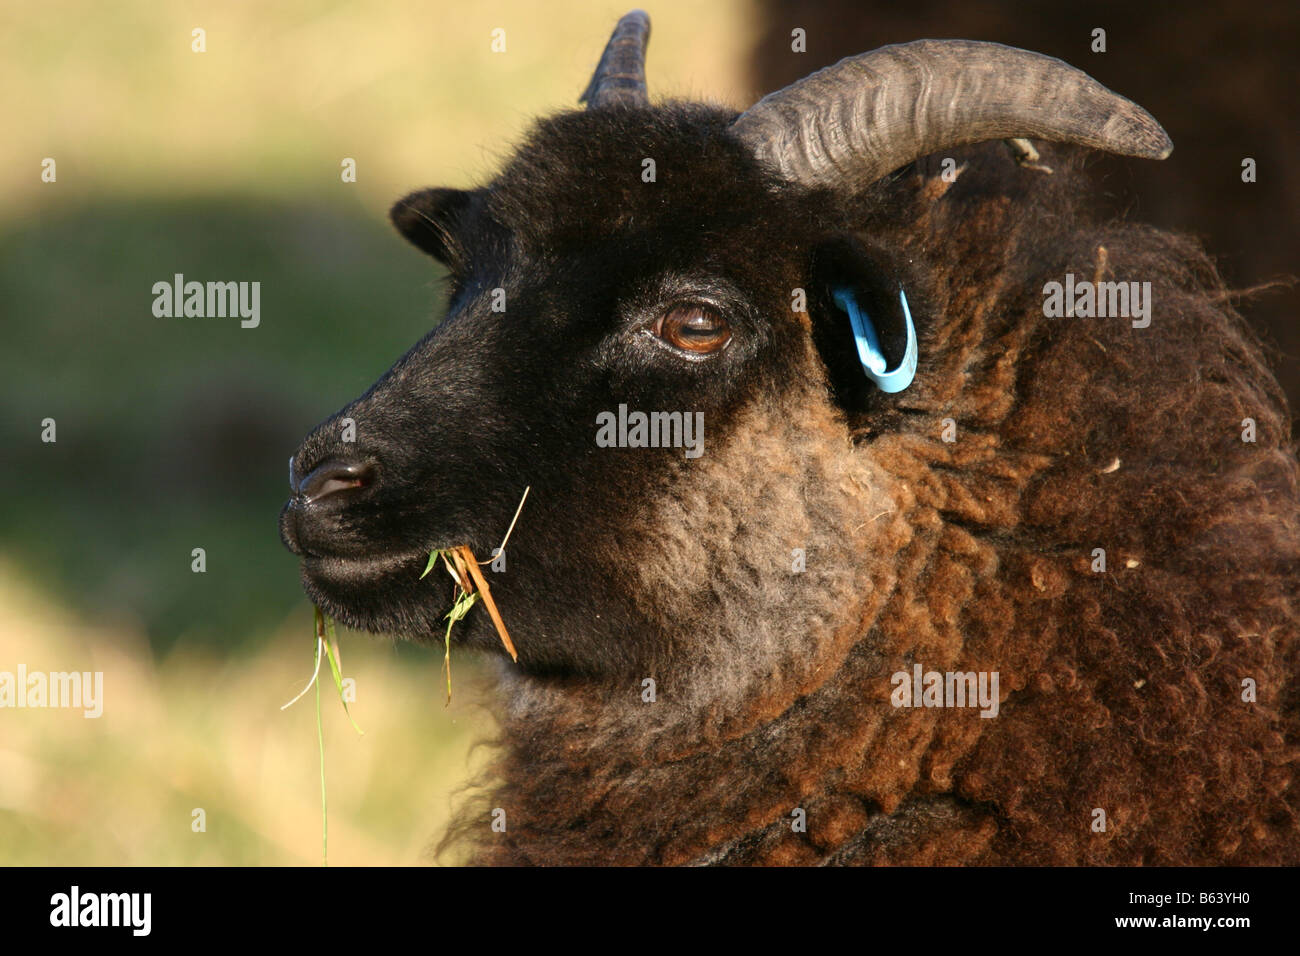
<point>332,477</point>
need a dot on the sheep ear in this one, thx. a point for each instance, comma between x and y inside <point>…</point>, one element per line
<point>862,311</point>
<point>428,219</point>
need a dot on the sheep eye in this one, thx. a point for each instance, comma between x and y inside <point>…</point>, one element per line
<point>693,328</point>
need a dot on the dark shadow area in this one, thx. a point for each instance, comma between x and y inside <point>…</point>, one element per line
<point>175,433</point>
<point>1218,76</point>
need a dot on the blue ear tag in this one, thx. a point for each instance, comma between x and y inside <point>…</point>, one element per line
<point>874,363</point>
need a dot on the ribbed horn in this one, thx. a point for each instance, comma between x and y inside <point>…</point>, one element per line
<point>620,75</point>
<point>867,115</point>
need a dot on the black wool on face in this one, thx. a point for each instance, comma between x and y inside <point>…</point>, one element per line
<point>558,268</point>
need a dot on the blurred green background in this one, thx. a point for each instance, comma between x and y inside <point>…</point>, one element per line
<point>174,433</point>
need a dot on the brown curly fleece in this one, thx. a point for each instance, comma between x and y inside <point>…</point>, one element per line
<point>1120,691</point>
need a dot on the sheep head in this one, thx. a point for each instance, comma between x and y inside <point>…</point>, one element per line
<point>677,258</point>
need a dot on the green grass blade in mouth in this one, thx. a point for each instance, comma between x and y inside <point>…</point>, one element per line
<point>464,602</point>
<point>326,644</point>
<point>433,559</point>
<point>330,642</point>
<point>320,740</point>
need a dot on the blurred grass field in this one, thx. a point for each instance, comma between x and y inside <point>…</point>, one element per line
<point>175,433</point>
<point>197,730</point>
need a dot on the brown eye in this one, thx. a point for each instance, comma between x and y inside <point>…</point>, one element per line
<point>693,328</point>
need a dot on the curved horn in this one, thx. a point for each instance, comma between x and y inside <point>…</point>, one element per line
<point>620,74</point>
<point>868,115</point>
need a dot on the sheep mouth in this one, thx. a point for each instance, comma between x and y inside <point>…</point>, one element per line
<point>382,593</point>
<point>344,585</point>
<point>375,565</point>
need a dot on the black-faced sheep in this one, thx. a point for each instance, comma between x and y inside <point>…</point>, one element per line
<point>727,650</point>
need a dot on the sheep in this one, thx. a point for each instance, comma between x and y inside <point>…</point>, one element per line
<point>739,657</point>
